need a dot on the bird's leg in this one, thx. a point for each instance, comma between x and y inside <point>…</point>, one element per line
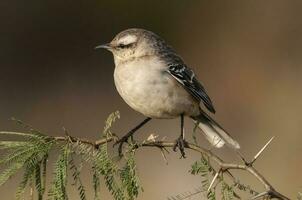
<point>129,134</point>
<point>180,142</point>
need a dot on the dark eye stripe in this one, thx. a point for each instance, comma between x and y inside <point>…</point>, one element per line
<point>123,46</point>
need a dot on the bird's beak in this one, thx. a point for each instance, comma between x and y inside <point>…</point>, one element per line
<point>107,46</point>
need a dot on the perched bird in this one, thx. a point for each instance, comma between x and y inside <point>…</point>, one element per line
<point>155,81</point>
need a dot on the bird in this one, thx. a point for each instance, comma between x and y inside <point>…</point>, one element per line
<point>155,81</point>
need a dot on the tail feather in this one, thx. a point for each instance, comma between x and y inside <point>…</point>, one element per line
<point>214,133</point>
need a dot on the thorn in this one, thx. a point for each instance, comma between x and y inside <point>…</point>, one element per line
<point>262,194</point>
<point>70,138</point>
<point>213,180</point>
<point>164,148</point>
<point>261,150</point>
<point>230,174</point>
<point>65,131</point>
<point>241,157</point>
<point>164,155</point>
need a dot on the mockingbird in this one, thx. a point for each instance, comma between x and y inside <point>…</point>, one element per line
<point>156,82</point>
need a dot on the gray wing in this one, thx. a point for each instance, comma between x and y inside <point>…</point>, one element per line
<point>186,77</point>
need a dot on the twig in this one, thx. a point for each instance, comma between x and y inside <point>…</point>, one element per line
<point>213,181</point>
<point>164,155</point>
<point>260,195</point>
<point>261,150</point>
<point>224,166</point>
<point>96,144</point>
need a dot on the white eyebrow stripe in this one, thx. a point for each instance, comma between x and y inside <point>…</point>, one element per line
<point>128,39</point>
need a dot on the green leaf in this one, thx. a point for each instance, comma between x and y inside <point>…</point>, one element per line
<point>103,164</point>
<point>203,168</point>
<point>28,173</point>
<point>227,191</point>
<point>77,179</point>
<point>129,177</point>
<point>9,172</point>
<point>96,182</point>
<point>58,187</point>
<point>108,124</point>
<point>11,144</point>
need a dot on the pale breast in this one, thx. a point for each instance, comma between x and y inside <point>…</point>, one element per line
<point>148,89</point>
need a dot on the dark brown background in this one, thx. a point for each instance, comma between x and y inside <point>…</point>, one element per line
<point>247,53</point>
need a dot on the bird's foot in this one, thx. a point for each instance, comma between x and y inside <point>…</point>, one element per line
<point>180,143</point>
<point>120,143</point>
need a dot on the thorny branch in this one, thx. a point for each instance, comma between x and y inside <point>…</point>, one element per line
<point>224,167</point>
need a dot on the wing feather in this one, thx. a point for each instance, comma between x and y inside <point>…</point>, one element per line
<point>186,77</point>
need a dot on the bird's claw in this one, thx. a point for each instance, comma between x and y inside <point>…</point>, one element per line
<point>180,143</point>
<point>120,143</point>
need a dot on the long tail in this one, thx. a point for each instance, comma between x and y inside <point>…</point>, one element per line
<point>214,133</point>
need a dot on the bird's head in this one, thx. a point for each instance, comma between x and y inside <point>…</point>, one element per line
<point>131,44</point>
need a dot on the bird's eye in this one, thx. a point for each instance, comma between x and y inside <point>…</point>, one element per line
<point>123,46</point>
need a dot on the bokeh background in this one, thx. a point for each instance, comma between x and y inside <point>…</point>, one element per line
<point>247,54</point>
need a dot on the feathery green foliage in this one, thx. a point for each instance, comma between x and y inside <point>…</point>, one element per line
<point>96,182</point>
<point>27,154</point>
<point>121,179</point>
<point>102,163</point>
<point>109,122</point>
<point>245,188</point>
<point>187,194</point>
<point>58,189</point>
<point>202,168</point>
<point>227,191</point>
<point>129,177</point>
<point>28,174</point>
<point>206,172</point>
<point>77,179</point>
<point>38,177</point>
<point>9,172</point>
<point>106,168</point>
<point>43,175</point>
<point>122,183</point>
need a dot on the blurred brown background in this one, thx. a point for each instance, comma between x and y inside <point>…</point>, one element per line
<point>247,54</point>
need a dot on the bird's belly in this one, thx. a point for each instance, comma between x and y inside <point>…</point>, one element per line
<point>156,94</point>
